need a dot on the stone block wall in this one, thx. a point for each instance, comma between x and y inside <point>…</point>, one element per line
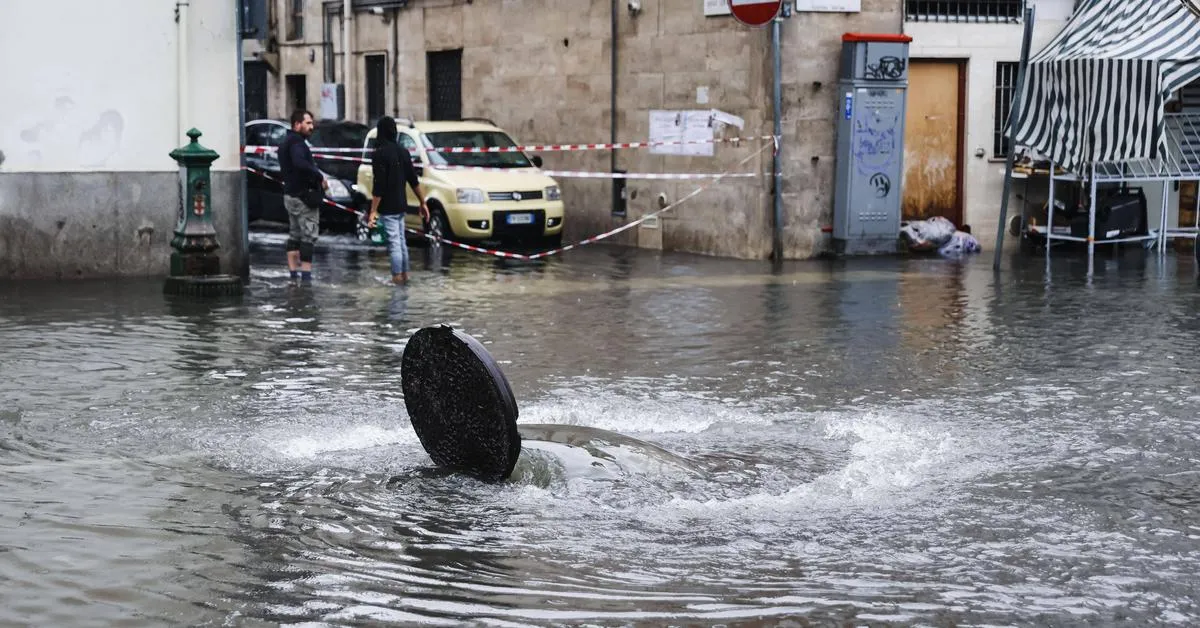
<point>541,69</point>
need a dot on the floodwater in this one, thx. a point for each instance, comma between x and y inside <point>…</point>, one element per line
<point>884,441</point>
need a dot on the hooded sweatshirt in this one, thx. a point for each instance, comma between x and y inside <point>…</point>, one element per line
<point>392,167</point>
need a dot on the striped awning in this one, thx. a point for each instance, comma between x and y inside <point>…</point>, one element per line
<point>1096,92</point>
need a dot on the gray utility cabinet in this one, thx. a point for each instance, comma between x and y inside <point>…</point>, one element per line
<point>870,143</point>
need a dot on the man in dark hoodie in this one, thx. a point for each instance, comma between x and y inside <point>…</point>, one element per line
<point>303,193</point>
<point>392,167</point>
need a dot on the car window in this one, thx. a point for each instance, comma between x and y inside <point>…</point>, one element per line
<point>339,134</point>
<point>475,139</point>
<point>256,135</point>
<point>408,143</point>
<point>275,134</point>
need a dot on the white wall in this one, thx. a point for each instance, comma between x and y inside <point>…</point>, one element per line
<point>90,85</point>
<point>983,45</point>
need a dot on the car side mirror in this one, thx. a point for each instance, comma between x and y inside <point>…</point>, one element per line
<point>537,161</point>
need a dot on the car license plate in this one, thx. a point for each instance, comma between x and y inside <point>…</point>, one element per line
<point>520,219</point>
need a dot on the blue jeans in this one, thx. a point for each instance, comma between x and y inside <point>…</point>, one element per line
<point>393,225</point>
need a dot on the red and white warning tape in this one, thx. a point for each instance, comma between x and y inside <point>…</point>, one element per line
<point>547,148</point>
<point>566,174</point>
<point>579,174</point>
<point>586,241</point>
<point>550,148</point>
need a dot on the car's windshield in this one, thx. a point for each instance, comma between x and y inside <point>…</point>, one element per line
<point>474,139</point>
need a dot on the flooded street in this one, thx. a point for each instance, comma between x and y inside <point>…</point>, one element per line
<point>879,441</point>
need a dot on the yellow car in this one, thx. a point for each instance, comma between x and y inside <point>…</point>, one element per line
<point>514,203</point>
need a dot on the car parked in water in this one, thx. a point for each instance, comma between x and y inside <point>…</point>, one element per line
<point>265,196</point>
<point>511,201</point>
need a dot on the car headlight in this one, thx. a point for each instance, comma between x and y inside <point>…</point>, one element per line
<point>553,193</point>
<point>337,189</point>
<point>469,196</point>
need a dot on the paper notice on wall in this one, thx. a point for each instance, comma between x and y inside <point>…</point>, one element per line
<point>330,108</point>
<point>695,127</point>
<point>721,117</point>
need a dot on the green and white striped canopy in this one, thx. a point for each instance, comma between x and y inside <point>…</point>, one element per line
<point>1096,92</point>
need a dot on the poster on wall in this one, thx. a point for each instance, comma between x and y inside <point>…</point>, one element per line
<point>682,126</point>
<point>840,6</point>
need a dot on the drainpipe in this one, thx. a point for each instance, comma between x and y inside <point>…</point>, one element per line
<point>327,43</point>
<point>613,104</point>
<point>396,62</point>
<point>181,68</point>
<point>777,162</point>
<point>347,59</point>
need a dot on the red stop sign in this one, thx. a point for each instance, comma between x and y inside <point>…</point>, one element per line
<point>755,12</point>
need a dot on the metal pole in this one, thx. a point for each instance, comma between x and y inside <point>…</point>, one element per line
<point>1050,208</point>
<point>347,59</point>
<point>1016,118</point>
<point>243,212</point>
<point>1092,219</point>
<point>1162,221</point>
<point>777,165</point>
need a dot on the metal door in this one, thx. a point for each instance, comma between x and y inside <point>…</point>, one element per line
<point>445,84</point>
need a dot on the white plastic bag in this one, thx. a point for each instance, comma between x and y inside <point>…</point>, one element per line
<point>928,234</point>
<point>960,243</point>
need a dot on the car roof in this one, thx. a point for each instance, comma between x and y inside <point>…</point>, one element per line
<point>442,127</point>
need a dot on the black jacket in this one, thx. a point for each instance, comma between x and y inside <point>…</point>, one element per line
<point>393,167</point>
<point>296,164</point>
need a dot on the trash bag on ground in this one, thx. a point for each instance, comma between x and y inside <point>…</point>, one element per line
<point>928,234</point>
<point>960,243</point>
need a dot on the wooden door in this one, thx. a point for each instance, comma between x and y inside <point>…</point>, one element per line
<point>933,140</point>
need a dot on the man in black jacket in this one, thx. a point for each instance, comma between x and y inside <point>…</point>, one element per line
<point>392,167</point>
<point>303,194</point>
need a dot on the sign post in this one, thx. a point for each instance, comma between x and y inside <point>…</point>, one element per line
<point>756,13</point>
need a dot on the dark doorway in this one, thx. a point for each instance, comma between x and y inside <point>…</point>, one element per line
<point>254,73</point>
<point>297,92</point>
<point>445,84</point>
<point>376,85</point>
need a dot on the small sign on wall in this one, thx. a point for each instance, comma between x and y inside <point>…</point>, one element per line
<point>839,6</point>
<point>716,7</point>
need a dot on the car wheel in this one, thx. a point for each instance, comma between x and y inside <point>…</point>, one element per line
<point>439,226</point>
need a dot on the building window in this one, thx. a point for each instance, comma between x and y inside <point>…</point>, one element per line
<point>297,92</point>
<point>1006,86</point>
<point>445,84</point>
<point>988,11</point>
<point>295,19</point>
<point>376,73</point>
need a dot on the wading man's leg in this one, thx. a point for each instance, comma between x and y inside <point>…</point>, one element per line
<point>397,247</point>
<point>304,223</point>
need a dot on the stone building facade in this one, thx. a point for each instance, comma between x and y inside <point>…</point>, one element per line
<point>543,70</point>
